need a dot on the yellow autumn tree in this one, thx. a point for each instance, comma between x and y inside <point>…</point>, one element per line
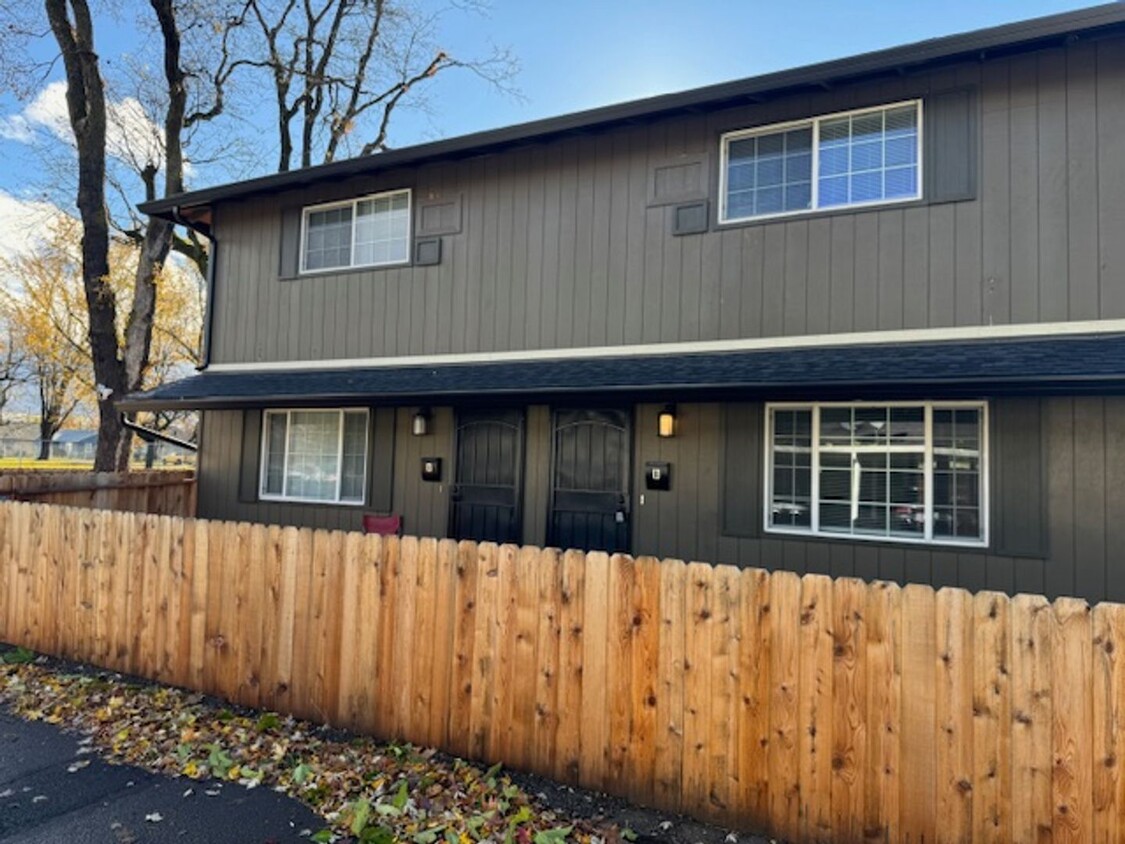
<point>43,306</point>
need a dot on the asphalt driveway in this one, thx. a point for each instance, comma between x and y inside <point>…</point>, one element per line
<point>52,790</point>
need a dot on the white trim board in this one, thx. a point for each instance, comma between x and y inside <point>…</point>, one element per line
<point>807,341</point>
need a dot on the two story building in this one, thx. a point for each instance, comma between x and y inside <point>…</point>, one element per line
<point>865,317</point>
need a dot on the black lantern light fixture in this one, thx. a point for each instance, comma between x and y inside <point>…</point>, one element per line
<point>666,422</point>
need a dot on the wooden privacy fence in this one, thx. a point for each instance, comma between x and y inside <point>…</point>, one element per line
<point>163,492</point>
<point>812,708</point>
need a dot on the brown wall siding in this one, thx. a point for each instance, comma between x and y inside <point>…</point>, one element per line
<point>1085,477</point>
<point>559,247</point>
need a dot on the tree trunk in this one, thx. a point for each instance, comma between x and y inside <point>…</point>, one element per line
<point>85,101</point>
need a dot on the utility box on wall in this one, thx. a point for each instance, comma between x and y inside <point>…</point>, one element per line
<point>658,475</point>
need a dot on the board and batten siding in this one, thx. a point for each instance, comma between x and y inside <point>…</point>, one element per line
<point>1056,497</point>
<point>561,244</point>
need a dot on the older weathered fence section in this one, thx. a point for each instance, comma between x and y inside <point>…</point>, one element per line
<point>163,492</point>
<point>816,709</point>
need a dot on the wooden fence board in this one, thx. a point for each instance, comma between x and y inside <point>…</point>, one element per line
<point>954,715</point>
<point>464,642</point>
<point>1073,705</point>
<point>572,620</point>
<point>501,688</point>
<point>369,589</point>
<point>545,723</point>
<point>810,708</point>
<point>524,633</point>
<point>417,716</point>
<point>697,756</point>
<point>884,700</point>
<point>755,659</point>
<point>815,742</point>
<point>723,738</point>
<point>992,717</point>
<point>1109,722</point>
<point>918,818</point>
<point>785,648</point>
<point>349,706</point>
<point>1032,719</point>
<point>849,710</point>
<point>594,730</point>
<point>645,614</point>
<point>668,743</point>
<point>485,648</point>
<point>444,610</point>
<point>619,665</point>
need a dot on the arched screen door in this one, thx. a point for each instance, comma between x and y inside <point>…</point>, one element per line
<point>590,480</point>
<point>486,493</point>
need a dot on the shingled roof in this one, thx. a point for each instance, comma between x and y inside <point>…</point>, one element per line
<point>1045,365</point>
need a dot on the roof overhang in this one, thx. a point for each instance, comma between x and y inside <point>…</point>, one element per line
<point>1022,366</point>
<point>978,44</point>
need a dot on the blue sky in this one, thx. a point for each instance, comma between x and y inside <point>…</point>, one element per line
<point>584,54</point>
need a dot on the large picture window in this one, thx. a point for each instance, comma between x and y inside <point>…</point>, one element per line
<point>368,232</point>
<point>901,471</point>
<point>314,455</point>
<point>839,160</point>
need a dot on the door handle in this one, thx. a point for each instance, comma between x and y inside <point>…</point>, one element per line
<point>454,492</point>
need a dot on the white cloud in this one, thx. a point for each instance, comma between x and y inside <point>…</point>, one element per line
<point>130,136</point>
<point>24,223</point>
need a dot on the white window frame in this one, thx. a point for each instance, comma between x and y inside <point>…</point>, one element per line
<point>928,446</point>
<point>813,123</point>
<point>263,463</point>
<point>354,204</point>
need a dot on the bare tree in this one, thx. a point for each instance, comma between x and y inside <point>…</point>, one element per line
<point>340,68</point>
<point>73,29</point>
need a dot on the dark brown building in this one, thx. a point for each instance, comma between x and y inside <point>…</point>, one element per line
<point>864,318</point>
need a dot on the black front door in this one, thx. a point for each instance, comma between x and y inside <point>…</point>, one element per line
<point>590,480</point>
<point>487,485</point>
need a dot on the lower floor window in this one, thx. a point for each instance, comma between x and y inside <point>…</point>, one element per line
<point>905,471</point>
<point>314,455</point>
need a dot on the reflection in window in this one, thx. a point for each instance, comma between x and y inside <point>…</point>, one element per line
<point>315,455</point>
<point>834,161</point>
<point>897,471</point>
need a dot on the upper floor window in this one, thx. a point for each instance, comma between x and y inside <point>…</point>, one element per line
<point>834,161</point>
<point>368,232</point>
<point>314,455</point>
<point>900,471</point>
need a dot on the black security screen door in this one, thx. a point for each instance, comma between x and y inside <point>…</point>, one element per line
<point>486,490</point>
<point>590,480</point>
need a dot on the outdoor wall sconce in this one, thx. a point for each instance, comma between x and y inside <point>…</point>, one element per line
<point>420,424</point>
<point>666,422</point>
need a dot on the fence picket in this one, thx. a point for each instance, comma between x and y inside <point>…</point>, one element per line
<point>918,820</point>
<point>545,723</point>
<point>785,652</point>
<point>884,701</point>
<point>1073,713</point>
<point>992,717</point>
<point>619,665</point>
<point>954,715</point>
<point>464,643</point>
<point>645,613</point>
<point>572,595</point>
<point>1109,722</point>
<point>814,706</point>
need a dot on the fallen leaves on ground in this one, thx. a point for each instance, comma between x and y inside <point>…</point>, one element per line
<point>372,791</point>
